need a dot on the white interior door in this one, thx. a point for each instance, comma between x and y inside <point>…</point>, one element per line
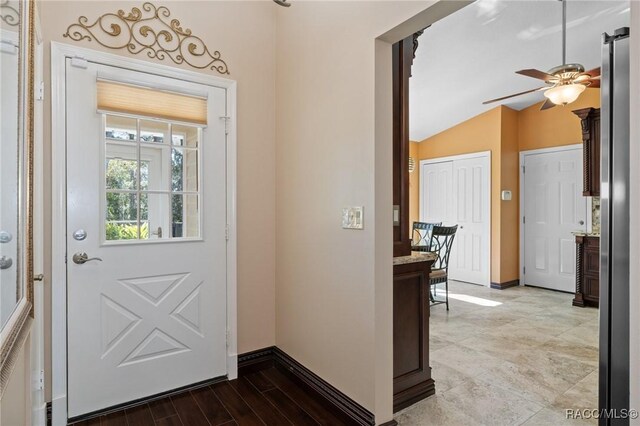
<point>147,197</point>
<point>553,208</point>
<point>456,191</point>
<point>471,194</point>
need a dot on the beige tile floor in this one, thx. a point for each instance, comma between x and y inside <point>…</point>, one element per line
<point>519,356</point>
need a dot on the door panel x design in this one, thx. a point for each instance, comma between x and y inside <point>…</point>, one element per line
<point>133,333</point>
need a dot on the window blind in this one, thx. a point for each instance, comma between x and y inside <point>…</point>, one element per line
<point>142,101</point>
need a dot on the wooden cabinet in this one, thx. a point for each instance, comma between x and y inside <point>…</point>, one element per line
<point>587,271</point>
<point>411,371</point>
<point>590,122</point>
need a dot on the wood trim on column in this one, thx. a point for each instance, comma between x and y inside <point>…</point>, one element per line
<point>578,300</point>
<point>590,124</point>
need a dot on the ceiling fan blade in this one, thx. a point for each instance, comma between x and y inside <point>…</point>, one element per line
<point>546,105</point>
<point>593,73</point>
<point>514,95</point>
<point>541,75</point>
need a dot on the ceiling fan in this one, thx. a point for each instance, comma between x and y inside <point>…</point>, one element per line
<point>564,83</point>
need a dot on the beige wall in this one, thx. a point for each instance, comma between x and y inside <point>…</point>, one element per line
<point>245,34</point>
<point>325,294</point>
<point>383,240</point>
<point>506,132</point>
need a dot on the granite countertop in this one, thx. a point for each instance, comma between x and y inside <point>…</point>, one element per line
<point>415,257</point>
<point>586,234</point>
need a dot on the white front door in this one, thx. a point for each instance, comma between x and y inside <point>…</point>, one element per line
<point>148,198</point>
<point>553,208</point>
<point>456,191</point>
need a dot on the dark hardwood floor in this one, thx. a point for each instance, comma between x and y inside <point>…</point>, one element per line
<point>267,397</point>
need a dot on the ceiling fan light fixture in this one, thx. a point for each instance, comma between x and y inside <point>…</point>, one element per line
<point>564,94</point>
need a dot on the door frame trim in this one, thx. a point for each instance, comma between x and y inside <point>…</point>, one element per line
<point>523,155</point>
<point>479,154</point>
<point>59,53</point>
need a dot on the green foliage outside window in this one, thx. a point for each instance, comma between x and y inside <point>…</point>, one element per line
<point>124,231</point>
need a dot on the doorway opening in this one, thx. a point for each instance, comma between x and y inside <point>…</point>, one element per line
<point>499,336</point>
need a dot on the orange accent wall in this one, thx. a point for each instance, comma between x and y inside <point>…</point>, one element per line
<point>505,132</point>
<point>509,210</point>
<point>556,126</point>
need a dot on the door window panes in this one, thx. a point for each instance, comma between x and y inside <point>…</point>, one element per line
<point>184,170</point>
<point>151,186</point>
<point>121,216</point>
<point>185,213</point>
<point>152,131</point>
<point>121,173</point>
<point>186,136</point>
<point>121,129</point>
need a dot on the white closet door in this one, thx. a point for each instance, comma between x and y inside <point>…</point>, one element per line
<point>456,191</point>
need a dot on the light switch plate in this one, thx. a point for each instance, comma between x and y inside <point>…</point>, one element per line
<point>506,195</point>
<point>353,217</point>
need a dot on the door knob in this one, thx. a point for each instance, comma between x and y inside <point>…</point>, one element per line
<point>81,258</point>
<point>5,262</point>
<point>581,222</point>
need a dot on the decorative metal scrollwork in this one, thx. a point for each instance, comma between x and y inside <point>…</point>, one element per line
<point>8,14</point>
<point>151,32</point>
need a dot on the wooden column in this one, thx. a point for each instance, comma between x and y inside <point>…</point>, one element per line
<point>403,54</point>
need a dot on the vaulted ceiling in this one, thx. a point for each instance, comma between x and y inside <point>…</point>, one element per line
<point>471,56</point>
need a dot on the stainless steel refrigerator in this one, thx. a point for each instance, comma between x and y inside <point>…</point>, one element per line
<point>614,239</point>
